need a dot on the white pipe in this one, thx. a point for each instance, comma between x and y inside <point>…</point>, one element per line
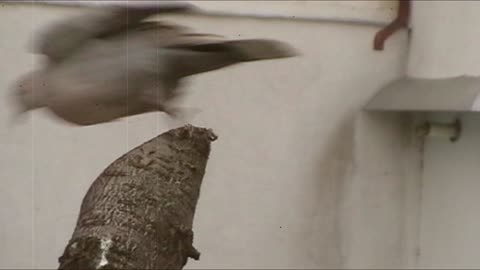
<point>330,18</point>
<point>436,130</point>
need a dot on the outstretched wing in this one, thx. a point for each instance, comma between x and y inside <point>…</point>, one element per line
<point>186,52</point>
<point>62,38</point>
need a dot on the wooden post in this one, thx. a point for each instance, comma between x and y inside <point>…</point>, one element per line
<point>138,213</point>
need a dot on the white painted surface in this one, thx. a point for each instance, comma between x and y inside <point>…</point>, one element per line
<point>380,12</point>
<point>450,221</point>
<point>445,44</point>
<point>380,211</point>
<point>367,12</point>
<point>476,104</point>
<point>289,184</point>
<point>457,94</point>
<point>444,39</point>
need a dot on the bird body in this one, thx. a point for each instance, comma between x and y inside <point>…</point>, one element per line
<point>109,65</point>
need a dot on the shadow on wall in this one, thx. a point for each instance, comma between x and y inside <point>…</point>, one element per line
<point>330,168</point>
<point>362,185</point>
<point>379,208</point>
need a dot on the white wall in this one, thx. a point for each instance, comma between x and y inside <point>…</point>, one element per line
<point>368,12</point>
<point>289,183</point>
<point>444,44</point>
<point>444,39</point>
<point>450,236</point>
<point>380,200</point>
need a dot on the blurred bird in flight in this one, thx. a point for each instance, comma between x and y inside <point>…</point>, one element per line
<point>113,63</point>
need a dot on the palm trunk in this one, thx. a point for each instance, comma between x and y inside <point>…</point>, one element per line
<point>138,213</point>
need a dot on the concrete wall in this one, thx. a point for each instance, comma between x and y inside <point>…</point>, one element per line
<point>444,44</point>
<point>450,217</point>
<point>299,178</point>
<point>380,199</point>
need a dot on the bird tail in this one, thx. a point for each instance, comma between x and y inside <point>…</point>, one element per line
<point>248,49</point>
<point>260,49</point>
<point>216,55</point>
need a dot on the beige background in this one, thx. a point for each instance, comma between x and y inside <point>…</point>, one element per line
<point>300,177</point>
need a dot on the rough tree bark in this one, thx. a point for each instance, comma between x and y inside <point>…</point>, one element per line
<point>138,213</point>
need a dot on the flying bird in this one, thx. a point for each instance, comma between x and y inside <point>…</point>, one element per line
<point>113,62</point>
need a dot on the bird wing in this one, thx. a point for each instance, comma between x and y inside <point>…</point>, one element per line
<point>186,52</point>
<point>159,34</point>
<point>60,39</point>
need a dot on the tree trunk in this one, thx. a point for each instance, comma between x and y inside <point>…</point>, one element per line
<point>138,213</point>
